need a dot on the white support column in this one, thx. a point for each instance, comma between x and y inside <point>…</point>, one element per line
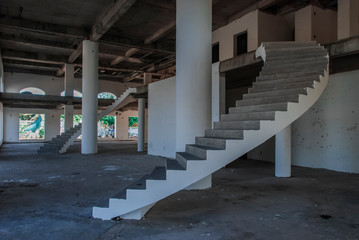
<point>193,80</point>
<point>69,89</point>
<point>89,97</point>
<point>141,125</point>
<point>283,158</point>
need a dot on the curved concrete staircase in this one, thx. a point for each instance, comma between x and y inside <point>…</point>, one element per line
<point>62,142</point>
<point>292,79</point>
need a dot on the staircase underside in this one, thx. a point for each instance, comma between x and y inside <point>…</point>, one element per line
<point>265,111</point>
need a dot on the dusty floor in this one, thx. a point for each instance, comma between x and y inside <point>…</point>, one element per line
<point>51,197</point>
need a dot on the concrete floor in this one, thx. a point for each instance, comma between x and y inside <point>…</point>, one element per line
<point>51,197</point>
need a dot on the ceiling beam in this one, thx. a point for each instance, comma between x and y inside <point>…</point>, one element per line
<point>242,13</point>
<point>104,21</point>
<point>161,32</point>
<point>20,26</point>
<point>263,4</point>
<point>127,56</point>
<point>33,57</point>
<point>108,16</point>
<point>31,46</point>
<point>30,66</point>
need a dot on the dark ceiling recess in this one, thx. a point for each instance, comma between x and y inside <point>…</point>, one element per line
<point>135,37</point>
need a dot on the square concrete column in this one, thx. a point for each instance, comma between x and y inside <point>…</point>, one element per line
<point>69,89</point>
<point>141,125</point>
<point>89,97</point>
<point>283,152</point>
<point>348,18</point>
<point>193,68</point>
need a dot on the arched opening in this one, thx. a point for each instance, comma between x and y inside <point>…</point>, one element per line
<point>32,90</point>
<point>106,95</point>
<point>75,93</point>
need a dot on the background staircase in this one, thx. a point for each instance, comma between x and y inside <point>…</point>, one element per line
<point>62,142</point>
<point>293,77</point>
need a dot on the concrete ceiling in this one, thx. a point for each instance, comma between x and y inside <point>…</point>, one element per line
<point>134,36</point>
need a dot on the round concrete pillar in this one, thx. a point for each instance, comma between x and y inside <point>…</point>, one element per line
<point>283,158</point>
<point>89,97</point>
<point>141,125</point>
<point>193,70</point>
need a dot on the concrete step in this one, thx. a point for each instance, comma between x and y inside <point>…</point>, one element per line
<point>173,164</point>
<point>277,93</point>
<point>279,85</point>
<point>219,143</point>
<point>289,75</point>
<point>261,101</point>
<point>281,106</point>
<point>198,151</point>
<point>274,62</point>
<point>298,56</point>
<point>139,184</point>
<point>183,157</point>
<point>269,115</point>
<point>286,44</point>
<point>294,50</point>
<point>159,173</point>
<point>238,125</point>
<point>293,69</point>
<point>225,134</point>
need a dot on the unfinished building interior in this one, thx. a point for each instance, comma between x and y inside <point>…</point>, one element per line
<point>179,119</point>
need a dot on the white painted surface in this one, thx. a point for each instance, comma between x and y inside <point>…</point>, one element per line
<point>193,69</point>
<point>218,93</point>
<point>196,170</point>
<point>69,80</point>
<point>69,91</point>
<point>348,18</point>
<point>327,135</point>
<point>204,183</point>
<point>283,156</point>
<point>122,124</point>
<point>68,116</point>
<point>11,123</point>
<point>162,118</point>
<point>141,125</point>
<point>89,97</point>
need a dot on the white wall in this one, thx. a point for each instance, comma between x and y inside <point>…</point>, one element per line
<point>11,123</point>
<point>162,118</point>
<point>327,136</point>
<point>122,124</point>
